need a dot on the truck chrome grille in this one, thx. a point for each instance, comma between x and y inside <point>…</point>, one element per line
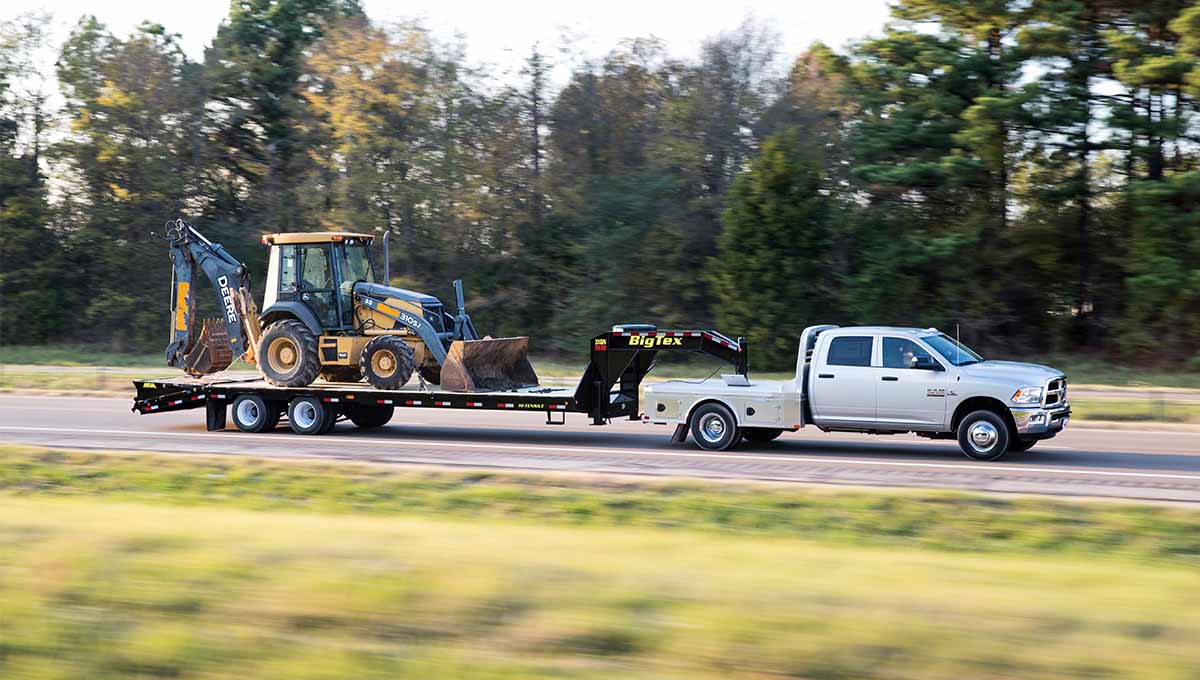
<point>1056,392</point>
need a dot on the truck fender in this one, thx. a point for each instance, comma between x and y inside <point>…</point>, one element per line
<point>714,400</point>
<point>295,309</point>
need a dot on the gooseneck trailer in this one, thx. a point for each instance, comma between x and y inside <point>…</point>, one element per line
<point>609,388</point>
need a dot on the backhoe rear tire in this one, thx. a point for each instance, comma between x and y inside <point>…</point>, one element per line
<point>387,362</point>
<point>287,354</point>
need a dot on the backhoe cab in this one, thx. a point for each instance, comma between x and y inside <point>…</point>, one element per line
<point>326,313</point>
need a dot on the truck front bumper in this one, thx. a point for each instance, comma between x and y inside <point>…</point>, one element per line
<point>1041,423</point>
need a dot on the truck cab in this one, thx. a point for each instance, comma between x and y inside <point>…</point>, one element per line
<point>877,380</point>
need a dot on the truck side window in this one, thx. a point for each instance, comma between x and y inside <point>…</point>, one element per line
<point>850,351</point>
<point>899,353</point>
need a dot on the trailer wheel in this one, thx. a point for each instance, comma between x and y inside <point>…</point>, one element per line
<point>307,415</point>
<point>368,417</point>
<point>983,435</point>
<point>387,362</point>
<point>714,428</point>
<point>251,413</point>
<point>760,434</point>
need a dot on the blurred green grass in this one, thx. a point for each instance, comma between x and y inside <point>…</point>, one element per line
<point>116,566</point>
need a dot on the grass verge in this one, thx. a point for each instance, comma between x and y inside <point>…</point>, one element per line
<point>135,566</point>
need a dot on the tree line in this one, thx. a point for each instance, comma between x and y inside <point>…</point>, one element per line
<point>1026,171</point>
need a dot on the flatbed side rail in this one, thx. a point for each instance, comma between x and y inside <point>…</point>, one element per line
<point>620,359</point>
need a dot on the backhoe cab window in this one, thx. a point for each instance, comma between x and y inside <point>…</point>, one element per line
<point>358,264</point>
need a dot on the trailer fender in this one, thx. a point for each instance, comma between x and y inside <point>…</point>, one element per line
<point>294,309</point>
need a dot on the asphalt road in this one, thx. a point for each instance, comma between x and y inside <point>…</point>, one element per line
<point>1138,464</point>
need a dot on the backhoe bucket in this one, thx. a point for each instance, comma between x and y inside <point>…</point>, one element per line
<point>488,365</point>
<point>212,352</point>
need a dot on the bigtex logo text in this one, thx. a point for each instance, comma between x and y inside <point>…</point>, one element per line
<point>654,341</point>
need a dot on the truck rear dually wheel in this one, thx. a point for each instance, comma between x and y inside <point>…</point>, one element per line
<point>714,428</point>
<point>983,435</point>
<point>761,434</point>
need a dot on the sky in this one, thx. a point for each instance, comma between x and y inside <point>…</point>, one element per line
<point>501,34</point>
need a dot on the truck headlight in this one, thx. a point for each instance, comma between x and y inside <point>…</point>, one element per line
<point>1027,395</point>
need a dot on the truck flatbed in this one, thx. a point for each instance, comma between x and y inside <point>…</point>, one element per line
<point>609,387</point>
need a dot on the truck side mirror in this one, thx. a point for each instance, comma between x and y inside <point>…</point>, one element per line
<point>925,364</point>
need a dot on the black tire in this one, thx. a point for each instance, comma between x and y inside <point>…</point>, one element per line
<point>341,374</point>
<point>760,434</point>
<point>368,417</point>
<point>714,428</point>
<point>1021,445</point>
<point>287,354</point>
<point>983,435</point>
<point>431,374</point>
<point>331,418</point>
<point>307,415</point>
<point>252,413</point>
<point>387,362</point>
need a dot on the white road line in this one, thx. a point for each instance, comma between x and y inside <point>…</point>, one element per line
<point>970,467</point>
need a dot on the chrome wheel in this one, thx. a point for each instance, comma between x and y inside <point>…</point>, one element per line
<point>712,427</point>
<point>983,436</point>
<point>248,412</point>
<point>305,415</point>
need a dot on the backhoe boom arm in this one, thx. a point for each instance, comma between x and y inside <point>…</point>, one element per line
<point>220,341</point>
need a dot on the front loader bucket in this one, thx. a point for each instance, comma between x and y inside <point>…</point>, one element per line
<point>212,352</point>
<point>488,365</point>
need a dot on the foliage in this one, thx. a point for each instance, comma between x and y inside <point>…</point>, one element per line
<point>1021,170</point>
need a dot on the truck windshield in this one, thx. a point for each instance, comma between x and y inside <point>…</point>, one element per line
<point>951,350</point>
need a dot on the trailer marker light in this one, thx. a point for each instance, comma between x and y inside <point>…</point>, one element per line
<point>349,396</point>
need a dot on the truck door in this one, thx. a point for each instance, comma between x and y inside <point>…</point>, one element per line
<point>843,389</point>
<point>911,389</point>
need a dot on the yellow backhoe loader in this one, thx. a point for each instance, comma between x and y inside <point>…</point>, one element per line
<point>326,314</point>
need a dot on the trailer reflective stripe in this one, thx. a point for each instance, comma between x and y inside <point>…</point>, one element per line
<point>692,334</point>
<point>442,403</point>
<point>503,405</point>
<point>384,401</point>
<point>560,407</point>
<point>476,404</point>
<point>218,396</point>
<point>332,399</point>
<point>412,402</point>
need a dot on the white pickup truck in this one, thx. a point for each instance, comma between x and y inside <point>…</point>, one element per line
<point>875,380</point>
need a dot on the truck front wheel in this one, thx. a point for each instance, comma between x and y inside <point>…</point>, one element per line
<point>983,435</point>
<point>714,428</point>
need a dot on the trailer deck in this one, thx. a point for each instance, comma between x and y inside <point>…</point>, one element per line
<point>609,387</point>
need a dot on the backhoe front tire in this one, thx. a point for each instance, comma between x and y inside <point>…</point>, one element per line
<point>287,354</point>
<point>387,362</point>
